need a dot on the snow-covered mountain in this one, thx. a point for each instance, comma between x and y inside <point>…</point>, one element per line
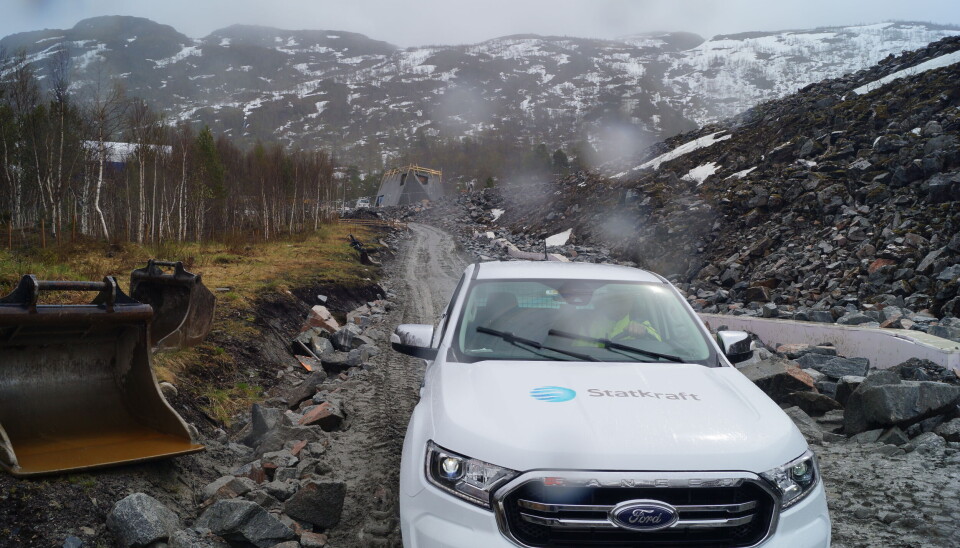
<point>365,98</point>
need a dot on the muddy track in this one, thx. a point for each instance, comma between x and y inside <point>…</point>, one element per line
<point>423,276</point>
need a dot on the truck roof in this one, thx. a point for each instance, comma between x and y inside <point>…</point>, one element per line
<point>555,270</point>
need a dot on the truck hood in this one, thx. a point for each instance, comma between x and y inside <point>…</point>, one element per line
<point>609,416</point>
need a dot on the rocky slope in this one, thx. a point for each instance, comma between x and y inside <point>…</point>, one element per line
<point>365,97</point>
<point>829,204</point>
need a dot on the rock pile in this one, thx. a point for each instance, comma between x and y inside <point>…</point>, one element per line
<point>888,440</point>
<point>824,206</point>
<point>282,492</point>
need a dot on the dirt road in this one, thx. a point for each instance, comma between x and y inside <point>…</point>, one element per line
<point>422,277</point>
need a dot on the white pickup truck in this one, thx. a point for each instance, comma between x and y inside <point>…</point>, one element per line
<point>583,405</point>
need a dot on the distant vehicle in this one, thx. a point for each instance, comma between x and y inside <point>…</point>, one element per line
<point>535,429</point>
<point>362,202</point>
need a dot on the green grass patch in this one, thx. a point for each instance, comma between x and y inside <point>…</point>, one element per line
<point>225,403</point>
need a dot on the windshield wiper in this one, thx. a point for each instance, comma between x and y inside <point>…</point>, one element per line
<point>515,340</point>
<point>610,345</point>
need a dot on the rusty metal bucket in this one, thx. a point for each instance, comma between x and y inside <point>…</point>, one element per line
<point>182,306</point>
<point>76,387</point>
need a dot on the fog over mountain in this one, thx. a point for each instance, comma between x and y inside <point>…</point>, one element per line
<point>368,100</point>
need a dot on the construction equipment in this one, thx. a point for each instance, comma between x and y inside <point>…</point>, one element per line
<point>183,307</point>
<point>77,390</point>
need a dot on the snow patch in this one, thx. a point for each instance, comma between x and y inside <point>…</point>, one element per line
<point>559,239</point>
<point>699,174</point>
<point>742,174</point>
<point>935,63</point>
<point>496,213</point>
<point>686,148</point>
<point>181,55</point>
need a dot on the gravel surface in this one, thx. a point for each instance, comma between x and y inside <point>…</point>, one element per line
<point>419,283</point>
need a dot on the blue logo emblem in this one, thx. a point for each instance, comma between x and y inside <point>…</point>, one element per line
<point>643,515</point>
<point>553,394</point>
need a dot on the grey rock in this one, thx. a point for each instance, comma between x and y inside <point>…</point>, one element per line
<point>949,274</point>
<point>949,333</point>
<point>228,487</point>
<point>854,414</point>
<point>929,259</point>
<point>821,316</point>
<point>277,438</point>
<point>903,403</point>
<point>812,403</point>
<point>932,129</point>
<point>281,490</point>
<point>807,426</point>
<point>244,521</point>
<point>318,503</point>
<point>262,420</point>
<point>949,430</point>
<point>263,499</point>
<point>893,436</point>
<point>845,367</point>
<point>813,360</point>
<point>139,520</point>
<point>284,474</point>
<point>307,389</point>
<point>343,339</point>
<point>72,542</point>
<point>278,459</point>
<point>195,538</point>
<point>870,436</point>
<point>778,378</point>
<point>856,318</point>
<point>846,386</point>
<point>925,443</point>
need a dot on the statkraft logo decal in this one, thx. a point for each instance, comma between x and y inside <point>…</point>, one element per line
<point>553,394</point>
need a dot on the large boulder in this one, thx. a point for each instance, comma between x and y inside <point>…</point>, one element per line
<point>243,521</point>
<point>845,367</point>
<point>883,399</point>
<point>306,389</point>
<point>228,487</point>
<point>318,503</point>
<point>778,378</point>
<point>262,420</point>
<point>808,427</point>
<point>949,430</point>
<point>139,520</point>
<point>321,318</point>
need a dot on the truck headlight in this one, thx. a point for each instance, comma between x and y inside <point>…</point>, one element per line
<point>795,479</point>
<point>469,479</point>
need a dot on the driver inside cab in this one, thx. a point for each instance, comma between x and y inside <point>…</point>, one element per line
<point>617,318</point>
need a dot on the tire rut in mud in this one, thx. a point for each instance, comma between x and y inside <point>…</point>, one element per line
<point>422,277</point>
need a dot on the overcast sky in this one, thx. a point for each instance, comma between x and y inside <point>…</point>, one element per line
<point>420,22</point>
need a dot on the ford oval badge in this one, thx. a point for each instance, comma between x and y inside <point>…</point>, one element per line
<point>643,515</point>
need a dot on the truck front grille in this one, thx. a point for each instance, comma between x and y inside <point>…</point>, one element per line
<point>539,513</point>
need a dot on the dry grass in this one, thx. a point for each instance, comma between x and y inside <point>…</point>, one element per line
<point>249,270</point>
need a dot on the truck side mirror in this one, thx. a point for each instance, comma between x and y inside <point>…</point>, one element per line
<point>414,340</point>
<point>735,345</point>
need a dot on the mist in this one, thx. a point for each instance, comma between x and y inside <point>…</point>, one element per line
<point>422,22</point>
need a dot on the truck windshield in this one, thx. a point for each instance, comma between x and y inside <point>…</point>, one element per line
<point>598,320</point>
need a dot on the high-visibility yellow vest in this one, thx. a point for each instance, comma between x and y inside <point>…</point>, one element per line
<point>598,331</point>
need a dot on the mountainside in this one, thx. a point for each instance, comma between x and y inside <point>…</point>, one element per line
<point>840,202</point>
<point>364,98</point>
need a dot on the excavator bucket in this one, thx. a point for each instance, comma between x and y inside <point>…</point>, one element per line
<point>76,387</point>
<point>182,306</point>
